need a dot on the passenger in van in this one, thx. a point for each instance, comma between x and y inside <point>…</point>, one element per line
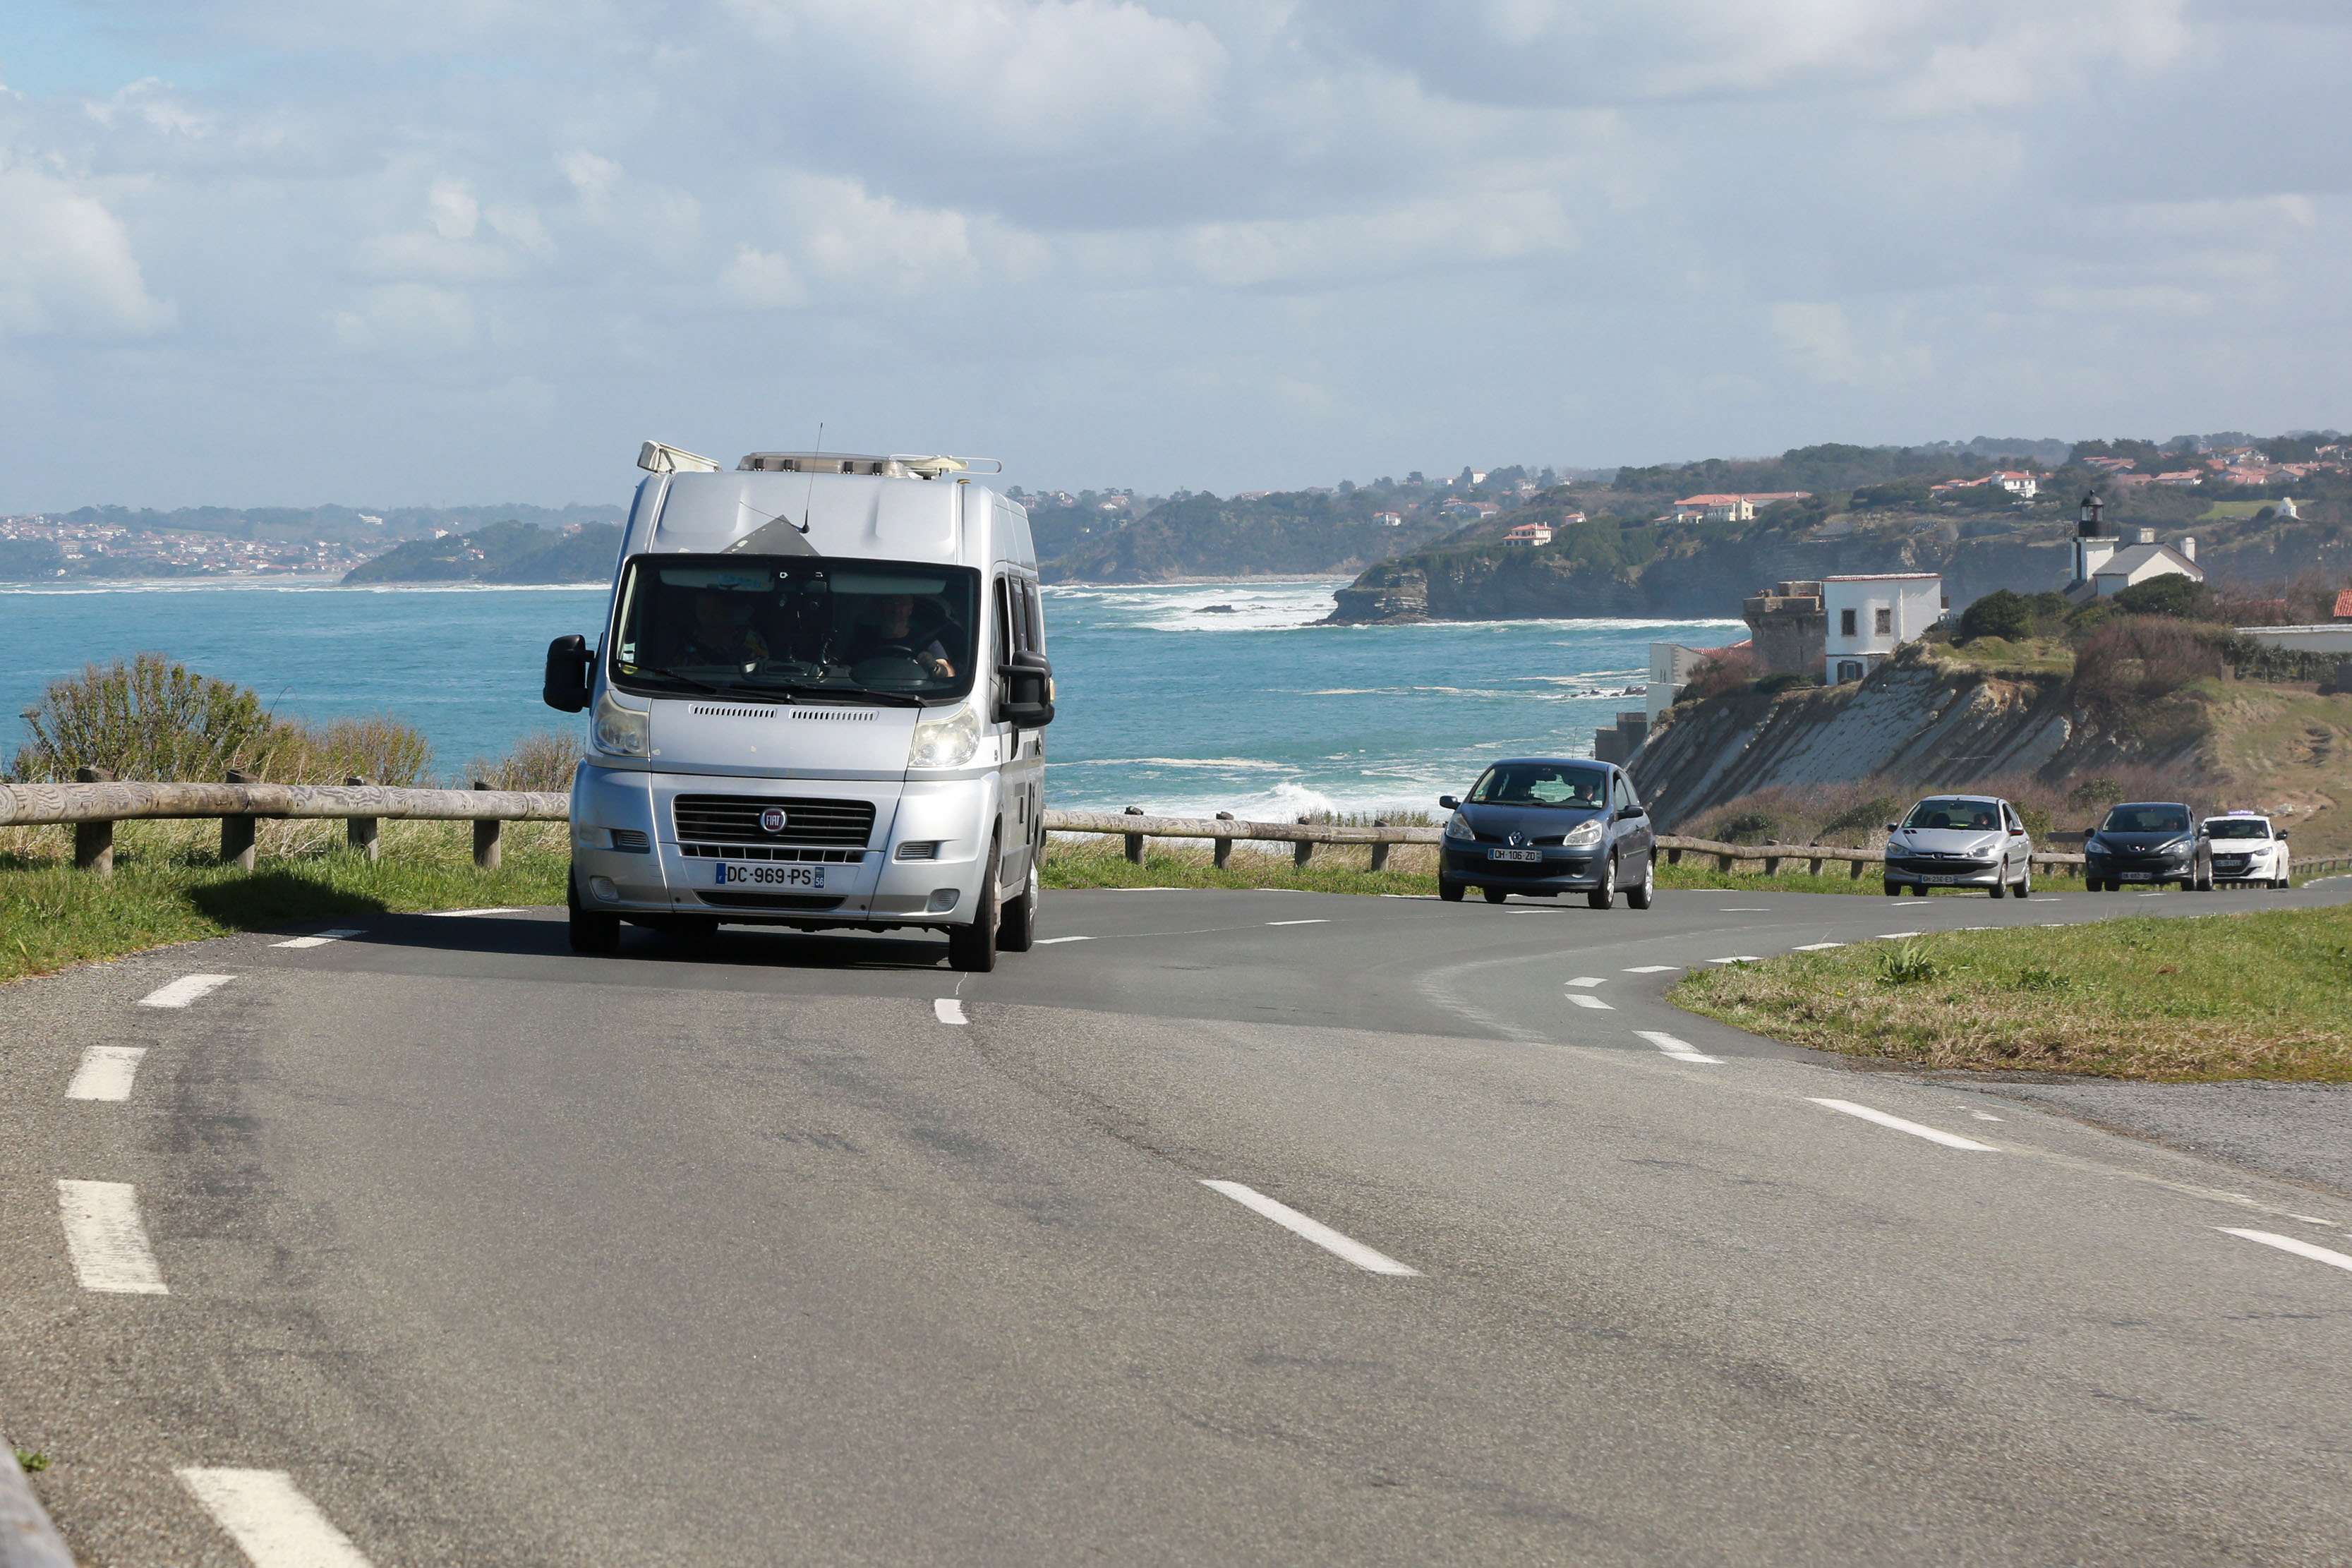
<point>892,631</point>
<point>720,631</point>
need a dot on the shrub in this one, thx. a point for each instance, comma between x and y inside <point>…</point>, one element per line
<point>155,720</point>
<point>2095,793</point>
<point>2143,657</point>
<point>1864,823</point>
<point>1785,680</point>
<point>1724,670</point>
<point>1748,828</point>
<point>1999,613</point>
<point>544,760</point>
<point>2180,597</point>
<point>150,719</point>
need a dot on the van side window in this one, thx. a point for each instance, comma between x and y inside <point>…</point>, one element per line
<point>1036,616</point>
<point>1008,634</point>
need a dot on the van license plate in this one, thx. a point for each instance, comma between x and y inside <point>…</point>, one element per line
<point>1528,855</point>
<point>758,876</point>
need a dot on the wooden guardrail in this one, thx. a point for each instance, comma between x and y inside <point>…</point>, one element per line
<point>94,805</point>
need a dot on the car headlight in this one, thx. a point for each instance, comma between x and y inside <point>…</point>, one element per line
<point>1458,827</point>
<point>1583,835</point>
<point>945,739</point>
<point>621,731</point>
<point>2179,845</point>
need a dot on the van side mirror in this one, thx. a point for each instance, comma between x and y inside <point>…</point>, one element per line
<point>1028,700</point>
<point>1447,803</point>
<point>570,668</point>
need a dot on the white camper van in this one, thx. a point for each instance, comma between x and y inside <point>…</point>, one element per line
<point>819,701</point>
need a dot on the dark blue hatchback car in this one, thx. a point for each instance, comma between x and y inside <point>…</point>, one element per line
<point>1548,825</point>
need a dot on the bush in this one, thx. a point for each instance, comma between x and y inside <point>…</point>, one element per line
<point>1908,964</point>
<point>1999,613</point>
<point>1725,670</point>
<point>1785,680</point>
<point>151,719</point>
<point>2176,597</point>
<point>2144,657</point>
<point>544,760</point>
<point>155,720</point>
<point>1748,828</point>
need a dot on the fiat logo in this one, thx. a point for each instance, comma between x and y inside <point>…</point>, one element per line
<point>772,820</point>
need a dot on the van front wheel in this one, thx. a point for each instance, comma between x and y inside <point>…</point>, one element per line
<point>972,948</point>
<point>590,931</point>
<point>1019,931</point>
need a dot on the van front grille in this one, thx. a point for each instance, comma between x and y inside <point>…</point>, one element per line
<point>805,903</point>
<point>734,819</point>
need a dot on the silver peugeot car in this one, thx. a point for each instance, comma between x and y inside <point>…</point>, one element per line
<point>1960,841</point>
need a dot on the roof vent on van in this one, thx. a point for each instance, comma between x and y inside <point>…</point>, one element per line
<point>899,466</point>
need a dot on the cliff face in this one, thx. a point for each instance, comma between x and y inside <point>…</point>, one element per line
<point>1913,722</point>
<point>1699,575</point>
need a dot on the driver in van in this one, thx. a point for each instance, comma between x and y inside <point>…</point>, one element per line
<point>720,632</point>
<point>892,630</point>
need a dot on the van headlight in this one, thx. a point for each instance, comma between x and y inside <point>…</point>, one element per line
<point>1583,835</point>
<point>946,740</point>
<point>621,731</point>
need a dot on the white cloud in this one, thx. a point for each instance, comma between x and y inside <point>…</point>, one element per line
<point>411,320</point>
<point>1822,342</point>
<point>66,263</point>
<point>763,281</point>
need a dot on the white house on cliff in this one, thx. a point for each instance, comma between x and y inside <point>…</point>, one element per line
<point>1871,615</point>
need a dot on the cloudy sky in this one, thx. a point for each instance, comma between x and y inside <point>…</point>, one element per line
<point>281,251</point>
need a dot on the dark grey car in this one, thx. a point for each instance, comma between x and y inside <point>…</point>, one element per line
<point>2148,842</point>
<point>1548,825</point>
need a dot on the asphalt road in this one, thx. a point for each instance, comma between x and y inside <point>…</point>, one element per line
<point>435,1243</point>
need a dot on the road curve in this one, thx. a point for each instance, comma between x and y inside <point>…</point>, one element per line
<point>1228,1227</point>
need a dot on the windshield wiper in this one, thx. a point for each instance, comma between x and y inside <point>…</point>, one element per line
<point>702,685</point>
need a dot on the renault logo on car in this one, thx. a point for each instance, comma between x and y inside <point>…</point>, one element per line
<point>772,820</point>
<point>1519,840</point>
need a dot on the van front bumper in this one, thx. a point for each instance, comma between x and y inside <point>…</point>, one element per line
<point>629,859</point>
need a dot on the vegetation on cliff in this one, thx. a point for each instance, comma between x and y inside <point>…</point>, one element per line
<point>508,551</point>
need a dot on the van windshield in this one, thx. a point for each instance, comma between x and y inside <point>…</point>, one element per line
<point>777,627</point>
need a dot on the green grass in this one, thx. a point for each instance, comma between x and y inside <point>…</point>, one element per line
<point>2006,656</point>
<point>2223,509</point>
<point>2256,996</point>
<point>1102,863</point>
<point>166,891</point>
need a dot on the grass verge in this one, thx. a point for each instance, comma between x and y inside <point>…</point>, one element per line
<point>164,889</point>
<point>2227,997</point>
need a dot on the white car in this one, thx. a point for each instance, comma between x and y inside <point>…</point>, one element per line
<point>2247,848</point>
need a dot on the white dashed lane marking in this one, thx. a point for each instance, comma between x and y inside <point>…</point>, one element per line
<point>1909,903</point>
<point>1318,921</point>
<point>1820,946</point>
<point>1932,1134</point>
<point>270,1520</point>
<point>321,939</point>
<point>1744,909</point>
<point>1681,1051</point>
<point>1314,1230</point>
<point>947,1010</point>
<point>1589,979</point>
<point>186,989</point>
<point>1893,935</point>
<point>1653,969</point>
<point>1737,958</point>
<point>1586,999</point>
<point>105,1240</point>
<point>1051,940</point>
<point>464,914</point>
<point>105,1072</point>
<point>2299,1248</point>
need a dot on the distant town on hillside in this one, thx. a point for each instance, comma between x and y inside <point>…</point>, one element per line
<point>1595,517</point>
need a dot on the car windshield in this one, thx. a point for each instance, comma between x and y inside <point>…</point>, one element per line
<point>1954,817</point>
<point>2145,819</point>
<point>2238,827</point>
<point>779,627</point>
<point>1541,784</point>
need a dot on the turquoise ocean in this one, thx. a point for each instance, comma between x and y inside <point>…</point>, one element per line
<point>1164,703</point>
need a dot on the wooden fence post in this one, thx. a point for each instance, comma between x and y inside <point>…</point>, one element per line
<point>1134,840</point>
<point>362,828</point>
<point>485,836</point>
<point>94,841</point>
<point>1302,852</point>
<point>1379,851</point>
<point>1674,855</point>
<point>1854,869</point>
<point>1813,867</point>
<point>1225,856</point>
<point>236,831</point>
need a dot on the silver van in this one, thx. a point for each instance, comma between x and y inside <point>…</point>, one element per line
<point>819,701</point>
